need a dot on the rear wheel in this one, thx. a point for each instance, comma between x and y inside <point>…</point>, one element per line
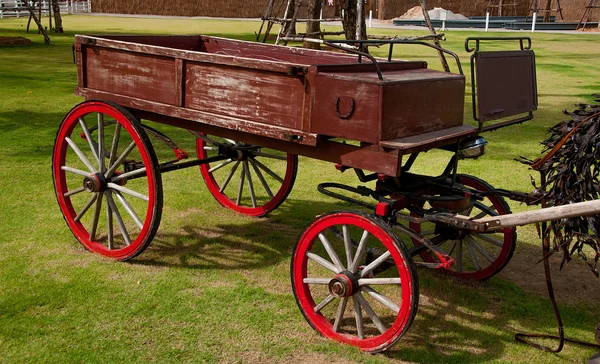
<point>354,281</point>
<point>252,180</point>
<point>477,255</point>
<point>106,179</point>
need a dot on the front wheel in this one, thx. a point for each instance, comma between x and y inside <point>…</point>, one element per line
<point>354,281</point>
<point>107,180</point>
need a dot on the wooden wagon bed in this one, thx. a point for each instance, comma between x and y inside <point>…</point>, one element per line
<point>285,98</point>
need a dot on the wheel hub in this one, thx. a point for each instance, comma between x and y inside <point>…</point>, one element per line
<point>94,183</point>
<point>345,284</point>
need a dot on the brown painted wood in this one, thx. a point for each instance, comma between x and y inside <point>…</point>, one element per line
<point>367,157</point>
<point>224,121</point>
<point>137,75</point>
<point>179,82</point>
<point>362,124</point>
<point>264,97</point>
<point>421,101</point>
<point>280,97</point>
<point>429,140</point>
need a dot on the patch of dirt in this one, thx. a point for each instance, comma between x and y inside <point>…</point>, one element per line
<point>14,41</point>
<point>574,284</point>
<point>416,13</point>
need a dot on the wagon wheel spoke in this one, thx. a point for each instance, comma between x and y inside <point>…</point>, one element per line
<point>95,219</point>
<point>250,185</point>
<point>117,215</point>
<point>80,154</point>
<point>221,165</point>
<point>114,145</point>
<point>382,299</point>
<point>371,313</point>
<point>332,254</point>
<point>75,171</point>
<point>269,155</point>
<point>347,244</point>
<point>88,137</point>
<point>316,280</point>
<point>86,207</point>
<point>323,262</point>
<point>100,155</point>
<point>129,209</point>
<point>480,249</point>
<point>275,172</point>
<point>476,255</point>
<point>74,192</point>
<point>109,227</point>
<point>489,239</point>
<point>229,176</point>
<point>241,186</point>
<point>376,263</point>
<point>324,303</point>
<point>122,184</point>
<point>340,314</point>
<point>472,254</point>
<point>320,277</point>
<point>262,180</point>
<point>360,326</point>
<point>128,191</point>
<point>360,251</point>
<point>266,169</point>
<point>459,255</point>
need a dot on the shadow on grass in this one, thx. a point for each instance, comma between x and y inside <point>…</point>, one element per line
<point>458,321</point>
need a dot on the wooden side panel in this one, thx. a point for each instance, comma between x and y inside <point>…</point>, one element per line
<point>422,106</point>
<point>265,97</point>
<point>137,75</point>
<point>359,102</point>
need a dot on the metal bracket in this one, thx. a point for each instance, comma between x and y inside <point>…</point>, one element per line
<point>337,109</point>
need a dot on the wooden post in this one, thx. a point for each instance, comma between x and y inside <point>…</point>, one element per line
<point>40,26</point>
<point>432,31</point>
<point>359,19</point>
<point>50,13</point>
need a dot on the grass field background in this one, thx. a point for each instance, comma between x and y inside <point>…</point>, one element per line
<point>214,285</point>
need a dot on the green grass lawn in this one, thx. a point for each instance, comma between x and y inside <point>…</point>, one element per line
<point>214,285</point>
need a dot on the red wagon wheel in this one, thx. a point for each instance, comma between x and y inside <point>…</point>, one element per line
<point>107,180</point>
<point>478,256</point>
<point>252,181</point>
<point>354,281</point>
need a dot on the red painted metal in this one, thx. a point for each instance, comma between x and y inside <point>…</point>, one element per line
<point>382,209</point>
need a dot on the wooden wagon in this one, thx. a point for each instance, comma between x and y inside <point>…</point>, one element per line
<point>253,108</point>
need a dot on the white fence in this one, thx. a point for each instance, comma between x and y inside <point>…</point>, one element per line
<point>18,8</point>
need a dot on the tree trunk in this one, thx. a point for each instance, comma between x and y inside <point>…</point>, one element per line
<point>349,21</point>
<point>58,28</point>
<point>314,12</point>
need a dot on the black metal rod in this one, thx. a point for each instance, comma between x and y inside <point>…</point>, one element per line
<point>188,164</point>
<point>182,165</point>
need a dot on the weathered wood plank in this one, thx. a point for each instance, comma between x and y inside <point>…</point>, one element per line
<point>540,215</point>
<point>265,97</point>
<point>137,75</point>
<point>224,121</point>
<point>426,140</point>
